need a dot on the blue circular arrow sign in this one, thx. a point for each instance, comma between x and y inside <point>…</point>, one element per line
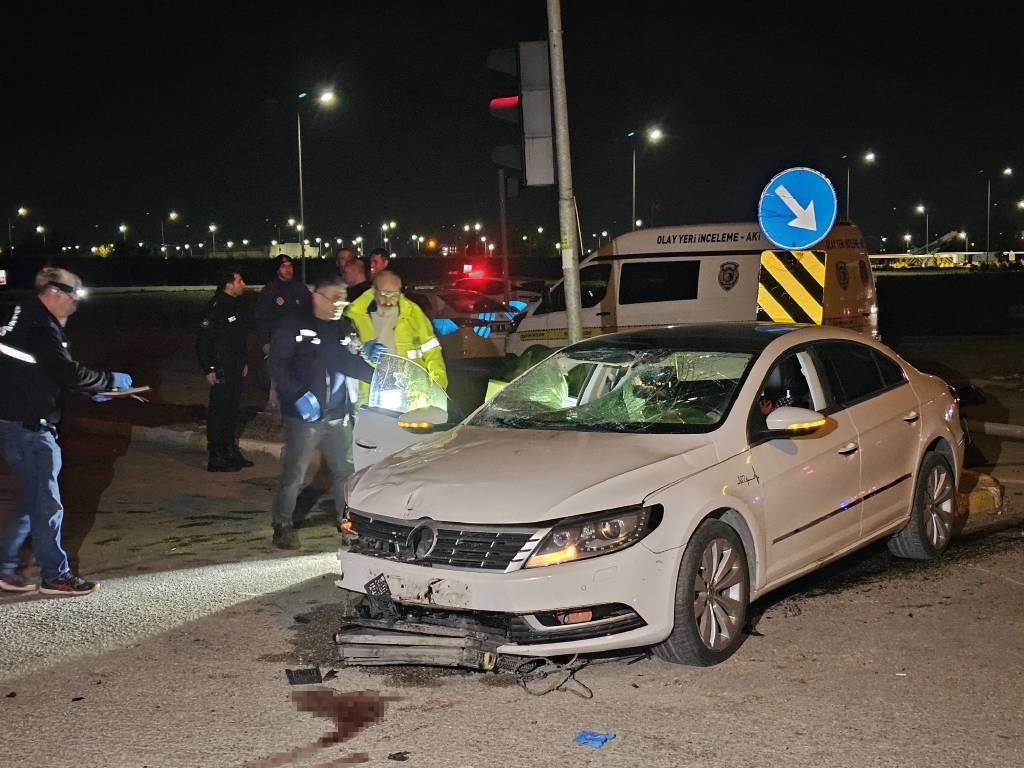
<point>797,208</point>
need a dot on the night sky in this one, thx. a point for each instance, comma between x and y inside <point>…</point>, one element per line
<point>121,112</point>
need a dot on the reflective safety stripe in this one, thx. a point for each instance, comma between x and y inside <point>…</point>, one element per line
<point>430,345</point>
<point>232,318</point>
<point>306,332</point>
<point>414,354</point>
<point>17,354</point>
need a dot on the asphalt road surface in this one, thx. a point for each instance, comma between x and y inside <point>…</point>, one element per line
<point>179,659</point>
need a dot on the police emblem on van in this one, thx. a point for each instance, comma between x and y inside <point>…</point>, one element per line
<point>842,275</point>
<point>728,275</point>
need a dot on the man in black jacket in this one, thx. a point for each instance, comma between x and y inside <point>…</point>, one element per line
<point>281,297</point>
<point>311,362</point>
<point>36,373</point>
<point>221,347</point>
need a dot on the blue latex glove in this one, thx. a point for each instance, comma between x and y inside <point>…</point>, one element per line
<point>122,381</point>
<point>593,738</point>
<point>101,399</point>
<point>308,407</point>
<point>373,350</point>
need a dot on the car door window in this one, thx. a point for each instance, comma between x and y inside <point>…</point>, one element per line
<point>593,287</point>
<point>892,373</point>
<point>658,281</point>
<point>853,372</point>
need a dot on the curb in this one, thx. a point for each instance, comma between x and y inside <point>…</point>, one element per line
<point>194,438</point>
<point>980,494</point>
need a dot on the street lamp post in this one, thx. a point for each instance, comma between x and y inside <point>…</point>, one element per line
<point>988,206</point>
<point>922,209</point>
<point>41,231</point>
<point>325,98</point>
<point>22,212</point>
<point>172,216</point>
<point>868,157</point>
<point>213,235</point>
<point>654,135</point>
<point>123,229</point>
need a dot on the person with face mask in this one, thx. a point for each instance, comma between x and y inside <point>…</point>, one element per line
<point>389,322</point>
<point>311,358</point>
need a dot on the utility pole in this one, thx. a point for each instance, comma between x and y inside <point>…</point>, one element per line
<point>566,219</point>
<point>503,211</point>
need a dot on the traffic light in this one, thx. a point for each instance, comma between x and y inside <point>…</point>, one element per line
<point>530,108</point>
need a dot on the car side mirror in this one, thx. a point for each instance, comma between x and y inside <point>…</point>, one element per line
<point>425,419</point>
<point>788,421</point>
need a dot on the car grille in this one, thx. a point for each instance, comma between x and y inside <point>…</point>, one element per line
<point>485,547</point>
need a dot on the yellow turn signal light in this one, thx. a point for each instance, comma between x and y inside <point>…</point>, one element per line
<point>553,558</point>
<point>415,426</point>
<point>806,426</point>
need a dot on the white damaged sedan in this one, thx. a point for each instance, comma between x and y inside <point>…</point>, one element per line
<point>642,488</point>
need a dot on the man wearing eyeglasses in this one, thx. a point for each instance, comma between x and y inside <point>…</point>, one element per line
<point>36,373</point>
<point>311,360</point>
<point>389,322</point>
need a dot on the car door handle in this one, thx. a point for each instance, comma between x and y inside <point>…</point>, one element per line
<point>602,314</point>
<point>848,449</point>
<point>366,446</point>
<point>911,417</point>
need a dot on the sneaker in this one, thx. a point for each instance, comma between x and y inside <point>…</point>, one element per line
<point>68,584</point>
<point>285,537</point>
<point>220,461</point>
<point>15,582</point>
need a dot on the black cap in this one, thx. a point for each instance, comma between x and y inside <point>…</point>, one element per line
<point>281,259</point>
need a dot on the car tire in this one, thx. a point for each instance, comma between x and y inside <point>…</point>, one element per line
<point>708,632</point>
<point>933,515</point>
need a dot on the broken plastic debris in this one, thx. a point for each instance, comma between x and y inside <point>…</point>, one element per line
<point>400,757</point>
<point>593,739</point>
<point>304,676</point>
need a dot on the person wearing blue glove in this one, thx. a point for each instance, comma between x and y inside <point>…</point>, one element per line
<point>36,374</point>
<point>372,351</point>
<point>310,362</point>
<point>121,381</point>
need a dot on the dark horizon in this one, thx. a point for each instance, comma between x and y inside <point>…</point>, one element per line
<point>118,113</point>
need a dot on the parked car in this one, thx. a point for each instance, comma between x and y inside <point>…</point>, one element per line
<point>467,323</point>
<point>523,290</point>
<point>642,488</point>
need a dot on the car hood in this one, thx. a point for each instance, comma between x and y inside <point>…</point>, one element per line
<point>490,475</point>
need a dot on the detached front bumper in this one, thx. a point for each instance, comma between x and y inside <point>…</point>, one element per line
<point>524,602</point>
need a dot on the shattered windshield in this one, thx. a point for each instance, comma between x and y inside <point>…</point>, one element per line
<point>401,385</point>
<point>617,390</point>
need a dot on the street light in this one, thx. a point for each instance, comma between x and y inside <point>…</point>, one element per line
<point>653,136</point>
<point>21,212</point>
<point>172,216</point>
<point>906,239</point>
<point>213,234</point>
<point>41,231</point>
<point>1007,171</point>
<point>326,98</point>
<point>922,209</point>
<point>869,158</point>
<point>123,229</point>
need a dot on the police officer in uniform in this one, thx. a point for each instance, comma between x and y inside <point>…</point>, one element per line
<point>281,297</point>
<point>221,347</point>
<point>311,358</point>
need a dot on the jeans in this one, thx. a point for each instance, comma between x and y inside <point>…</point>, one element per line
<point>34,457</point>
<point>334,439</point>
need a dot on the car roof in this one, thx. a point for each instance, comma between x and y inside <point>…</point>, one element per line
<point>732,337</point>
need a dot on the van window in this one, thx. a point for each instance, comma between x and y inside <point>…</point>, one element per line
<point>658,281</point>
<point>593,287</point>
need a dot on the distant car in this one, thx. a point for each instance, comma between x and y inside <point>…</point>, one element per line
<point>468,324</point>
<point>523,290</point>
<point>642,488</point>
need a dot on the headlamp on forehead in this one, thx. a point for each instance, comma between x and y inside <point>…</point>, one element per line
<point>70,290</point>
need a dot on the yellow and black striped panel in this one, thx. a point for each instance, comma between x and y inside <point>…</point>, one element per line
<point>791,287</point>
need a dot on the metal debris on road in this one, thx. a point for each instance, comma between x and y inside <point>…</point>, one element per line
<point>304,676</point>
<point>400,757</point>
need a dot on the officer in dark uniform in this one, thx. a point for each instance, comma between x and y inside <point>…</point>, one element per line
<point>221,347</point>
<point>282,296</point>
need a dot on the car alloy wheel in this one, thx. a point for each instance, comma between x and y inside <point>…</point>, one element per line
<point>938,509</point>
<point>934,518</point>
<point>717,605</point>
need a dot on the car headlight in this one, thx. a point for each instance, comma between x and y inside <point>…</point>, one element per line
<point>577,538</point>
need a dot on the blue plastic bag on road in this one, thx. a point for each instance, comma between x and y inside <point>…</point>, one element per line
<point>593,738</point>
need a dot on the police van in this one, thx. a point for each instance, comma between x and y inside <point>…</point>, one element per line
<point>710,272</point>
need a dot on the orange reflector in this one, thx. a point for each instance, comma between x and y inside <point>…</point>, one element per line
<point>417,425</point>
<point>575,617</point>
<point>561,556</point>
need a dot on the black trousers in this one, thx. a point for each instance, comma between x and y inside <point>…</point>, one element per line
<point>222,412</point>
